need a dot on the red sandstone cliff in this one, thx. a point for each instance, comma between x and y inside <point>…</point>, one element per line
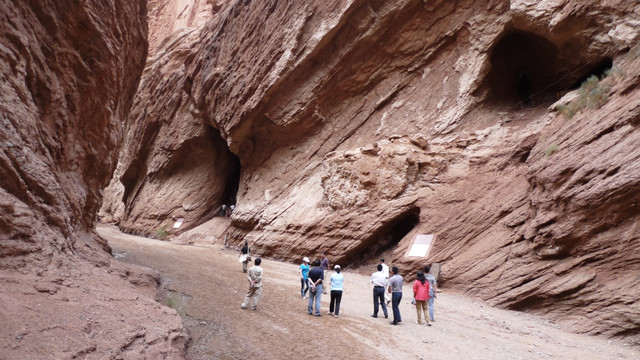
<point>69,72</point>
<point>359,124</point>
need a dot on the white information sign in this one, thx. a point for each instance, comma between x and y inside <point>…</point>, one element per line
<point>421,245</point>
<point>178,223</point>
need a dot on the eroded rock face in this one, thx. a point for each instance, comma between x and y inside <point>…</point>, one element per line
<point>360,124</point>
<point>69,72</point>
<point>177,157</point>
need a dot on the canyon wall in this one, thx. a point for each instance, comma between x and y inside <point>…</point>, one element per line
<point>69,73</point>
<point>352,126</point>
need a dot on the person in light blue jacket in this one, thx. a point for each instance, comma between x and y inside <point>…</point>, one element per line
<point>303,272</point>
<point>336,291</point>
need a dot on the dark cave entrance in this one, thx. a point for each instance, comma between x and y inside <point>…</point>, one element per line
<point>229,164</point>
<point>528,70</point>
<point>523,69</point>
<point>233,182</point>
<point>384,241</point>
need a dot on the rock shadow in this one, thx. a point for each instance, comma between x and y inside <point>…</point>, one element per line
<point>384,240</point>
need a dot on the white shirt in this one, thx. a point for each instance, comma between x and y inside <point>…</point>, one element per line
<point>385,270</point>
<point>378,279</point>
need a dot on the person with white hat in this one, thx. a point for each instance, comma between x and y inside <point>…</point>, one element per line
<point>303,272</point>
<point>336,291</point>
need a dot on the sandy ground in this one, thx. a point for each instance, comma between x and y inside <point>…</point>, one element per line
<point>206,285</point>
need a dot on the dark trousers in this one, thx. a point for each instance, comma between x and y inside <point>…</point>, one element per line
<point>395,305</point>
<point>303,289</point>
<point>336,297</point>
<point>378,298</point>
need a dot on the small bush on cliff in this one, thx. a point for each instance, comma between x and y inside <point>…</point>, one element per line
<point>174,301</point>
<point>552,149</point>
<point>615,72</point>
<point>162,234</point>
<point>569,109</point>
<point>592,94</point>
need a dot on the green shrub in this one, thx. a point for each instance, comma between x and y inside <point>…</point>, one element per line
<point>614,72</point>
<point>162,234</point>
<point>552,149</point>
<point>569,110</point>
<point>174,301</point>
<point>592,94</point>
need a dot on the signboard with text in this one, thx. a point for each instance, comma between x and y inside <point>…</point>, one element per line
<point>421,245</point>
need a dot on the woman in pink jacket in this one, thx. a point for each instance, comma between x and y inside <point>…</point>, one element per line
<point>421,294</point>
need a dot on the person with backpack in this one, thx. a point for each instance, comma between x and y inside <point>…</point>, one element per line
<point>421,295</point>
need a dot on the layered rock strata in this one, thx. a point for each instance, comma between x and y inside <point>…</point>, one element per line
<point>69,73</point>
<point>359,124</point>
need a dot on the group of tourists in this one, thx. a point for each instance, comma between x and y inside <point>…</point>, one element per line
<point>312,276</point>
<point>424,293</point>
<point>226,211</point>
<point>312,280</point>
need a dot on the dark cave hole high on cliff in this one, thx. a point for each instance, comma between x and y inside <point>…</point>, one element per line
<point>528,70</point>
<point>384,240</point>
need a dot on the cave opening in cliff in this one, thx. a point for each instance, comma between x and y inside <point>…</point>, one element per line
<point>385,240</point>
<point>524,70</point>
<point>233,182</point>
<point>230,166</point>
<point>528,70</point>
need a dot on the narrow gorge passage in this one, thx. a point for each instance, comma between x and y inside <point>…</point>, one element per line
<point>210,286</point>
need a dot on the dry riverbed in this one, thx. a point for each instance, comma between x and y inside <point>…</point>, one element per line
<point>206,286</point>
